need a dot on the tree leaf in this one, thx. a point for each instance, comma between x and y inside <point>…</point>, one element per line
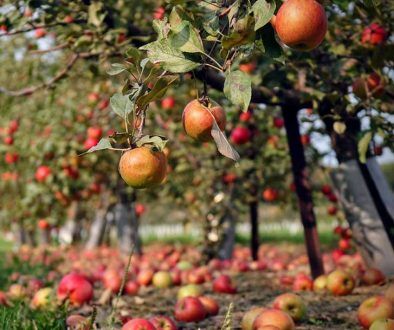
<point>161,27</point>
<point>243,33</point>
<point>116,68</point>
<point>158,141</point>
<point>103,144</point>
<point>238,88</point>
<point>95,17</point>
<point>187,39</point>
<point>121,105</point>
<point>157,92</point>
<point>224,147</point>
<point>133,55</point>
<point>172,60</point>
<point>263,12</point>
<point>177,16</point>
<point>363,145</point>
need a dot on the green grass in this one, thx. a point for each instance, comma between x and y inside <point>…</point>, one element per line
<point>5,245</point>
<point>21,316</point>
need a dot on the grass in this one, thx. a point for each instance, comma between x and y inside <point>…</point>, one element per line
<point>21,316</point>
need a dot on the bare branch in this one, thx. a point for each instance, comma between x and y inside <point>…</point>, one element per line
<point>49,50</point>
<point>35,27</point>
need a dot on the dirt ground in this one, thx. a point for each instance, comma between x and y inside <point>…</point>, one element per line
<point>254,289</point>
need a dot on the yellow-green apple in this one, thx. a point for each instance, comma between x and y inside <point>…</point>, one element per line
<point>190,290</point>
<point>162,279</point>
<point>320,284</point>
<point>292,304</point>
<point>250,316</point>
<point>43,298</point>
<point>382,324</point>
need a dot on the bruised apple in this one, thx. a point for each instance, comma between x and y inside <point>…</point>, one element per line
<point>143,167</point>
<point>198,120</point>
<point>301,24</point>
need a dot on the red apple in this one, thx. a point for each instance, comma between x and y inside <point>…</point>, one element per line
<point>159,13</point>
<point>326,189</point>
<point>145,276</point>
<point>90,143</point>
<point>9,140</point>
<point>94,132</point>
<point>11,158</point>
<point>374,308</point>
<point>248,67</point>
<point>42,173</point>
<point>374,34</point>
<point>344,244</point>
<point>131,288</point>
<point>332,210</point>
<point>373,276</point>
<point>305,139</point>
<point>39,33</point>
<point>223,284</point>
<point>138,324</point>
<point>340,283</point>
<point>210,305</point>
<point>139,209</point>
<point>168,103</point>
<point>302,283</point>
<point>278,122</point>
<point>240,135</point>
<point>13,126</point>
<point>245,116</point>
<point>270,194</point>
<point>163,323</point>
<point>112,280</point>
<point>190,309</point>
<point>76,288</point>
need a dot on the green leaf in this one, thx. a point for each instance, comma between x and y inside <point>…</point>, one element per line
<point>171,59</point>
<point>157,141</point>
<point>157,92</point>
<point>263,12</point>
<point>95,16</point>
<point>363,145</point>
<point>133,55</point>
<point>238,88</point>
<point>116,68</point>
<point>103,144</point>
<point>243,33</point>
<point>121,105</point>
<point>187,39</point>
<point>161,27</point>
<point>177,16</point>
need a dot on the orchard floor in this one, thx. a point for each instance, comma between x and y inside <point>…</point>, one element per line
<point>254,289</point>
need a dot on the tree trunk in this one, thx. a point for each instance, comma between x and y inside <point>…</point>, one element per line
<point>71,231</point>
<point>303,190</point>
<point>254,229</point>
<point>126,220</point>
<point>20,234</point>
<point>30,237</point>
<point>44,236</point>
<point>368,230</point>
<point>227,243</point>
<point>363,192</point>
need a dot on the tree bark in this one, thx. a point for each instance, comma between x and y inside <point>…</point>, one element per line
<point>71,231</point>
<point>227,243</point>
<point>364,194</point>
<point>369,233</point>
<point>254,229</point>
<point>303,190</point>
<point>44,236</point>
<point>126,221</point>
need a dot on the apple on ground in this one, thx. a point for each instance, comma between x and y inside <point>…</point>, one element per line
<point>43,298</point>
<point>373,276</point>
<point>190,290</point>
<point>320,284</point>
<point>76,288</point>
<point>374,308</point>
<point>274,317</point>
<point>223,284</point>
<point>340,283</point>
<point>210,305</point>
<point>292,304</point>
<point>190,309</point>
<point>138,324</point>
<point>77,322</point>
<point>162,279</point>
<point>382,324</point>
<point>163,323</point>
<point>249,317</point>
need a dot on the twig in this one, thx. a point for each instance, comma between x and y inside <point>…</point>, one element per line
<point>49,50</point>
<point>35,27</point>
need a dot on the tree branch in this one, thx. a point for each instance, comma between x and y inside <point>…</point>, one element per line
<point>49,50</point>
